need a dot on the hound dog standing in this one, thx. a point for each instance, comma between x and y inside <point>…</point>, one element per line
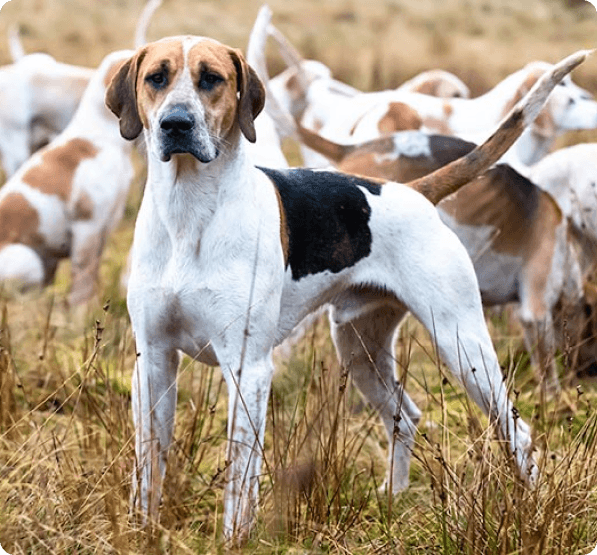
<point>228,258</point>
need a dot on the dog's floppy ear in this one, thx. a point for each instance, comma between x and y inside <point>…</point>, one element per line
<point>252,95</point>
<point>121,97</point>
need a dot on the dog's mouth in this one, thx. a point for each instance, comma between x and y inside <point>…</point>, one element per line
<point>199,153</point>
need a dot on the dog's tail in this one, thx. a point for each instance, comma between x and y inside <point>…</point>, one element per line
<point>17,51</point>
<point>257,43</point>
<point>450,178</point>
<point>335,152</point>
<point>289,53</point>
<point>283,121</point>
<point>143,22</point>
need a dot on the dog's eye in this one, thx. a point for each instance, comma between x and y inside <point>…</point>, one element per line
<point>157,80</point>
<point>209,80</point>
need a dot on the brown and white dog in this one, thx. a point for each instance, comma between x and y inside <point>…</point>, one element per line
<point>375,114</point>
<point>66,199</point>
<point>570,176</point>
<point>228,258</point>
<point>38,97</point>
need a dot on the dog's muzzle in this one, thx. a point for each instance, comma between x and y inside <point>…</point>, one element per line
<point>178,134</point>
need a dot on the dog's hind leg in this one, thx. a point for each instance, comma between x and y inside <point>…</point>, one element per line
<point>441,290</point>
<point>366,346</point>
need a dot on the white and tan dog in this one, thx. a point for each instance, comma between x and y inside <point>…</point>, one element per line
<point>38,97</point>
<point>67,198</point>
<point>373,115</point>
<point>228,258</point>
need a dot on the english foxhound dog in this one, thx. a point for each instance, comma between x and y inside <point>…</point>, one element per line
<point>307,88</point>
<point>228,258</point>
<point>376,114</point>
<point>66,199</point>
<point>570,176</point>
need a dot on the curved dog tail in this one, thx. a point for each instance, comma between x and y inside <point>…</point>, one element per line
<point>143,22</point>
<point>17,51</point>
<point>335,152</point>
<point>255,57</point>
<point>450,178</point>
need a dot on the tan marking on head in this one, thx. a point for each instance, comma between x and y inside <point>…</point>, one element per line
<point>130,97</point>
<point>83,209</point>
<point>448,109</point>
<point>439,87</point>
<point>544,124</point>
<point>167,57</point>
<point>399,117</point>
<point>428,87</point>
<point>55,173</point>
<point>221,102</point>
<point>19,221</point>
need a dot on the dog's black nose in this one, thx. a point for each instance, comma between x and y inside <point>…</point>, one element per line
<point>178,120</point>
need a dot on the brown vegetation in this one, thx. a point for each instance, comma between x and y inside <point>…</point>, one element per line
<point>65,426</point>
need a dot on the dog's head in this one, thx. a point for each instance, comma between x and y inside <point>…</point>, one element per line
<point>190,94</point>
<point>569,107</point>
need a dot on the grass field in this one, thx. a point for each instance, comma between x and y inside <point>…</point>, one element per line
<point>65,427</point>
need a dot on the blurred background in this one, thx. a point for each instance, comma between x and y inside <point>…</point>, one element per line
<point>370,44</point>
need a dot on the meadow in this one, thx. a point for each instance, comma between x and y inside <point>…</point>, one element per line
<point>66,448</point>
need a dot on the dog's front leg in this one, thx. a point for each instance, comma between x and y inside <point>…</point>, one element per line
<point>154,405</point>
<point>248,391</point>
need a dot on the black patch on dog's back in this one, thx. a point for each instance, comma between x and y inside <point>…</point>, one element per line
<point>446,149</point>
<point>327,216</point>
<point>521,191</point>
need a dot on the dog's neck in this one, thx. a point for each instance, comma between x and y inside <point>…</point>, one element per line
<point>185,191</point>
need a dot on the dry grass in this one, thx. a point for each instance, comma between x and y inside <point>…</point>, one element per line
<point>65,426</point>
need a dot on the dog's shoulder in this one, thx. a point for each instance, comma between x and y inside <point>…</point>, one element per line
<point>326,215</point>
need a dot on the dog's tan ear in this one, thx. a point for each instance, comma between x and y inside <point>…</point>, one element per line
<point>252,95</point>
<point>121,97</point>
